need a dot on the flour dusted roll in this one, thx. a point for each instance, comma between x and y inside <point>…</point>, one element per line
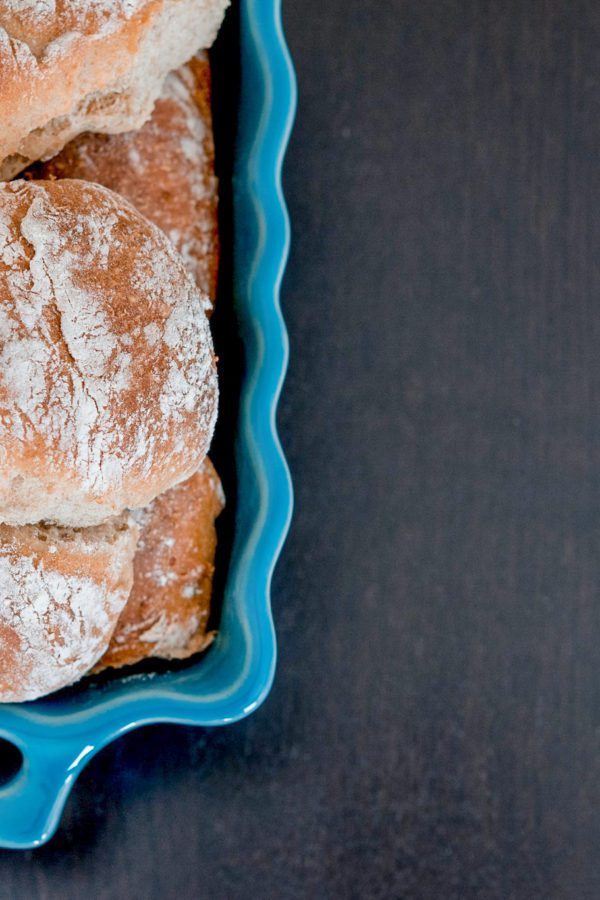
<point>61,593</point>
<point>168,608</point>
<point>108,391</point>
<point>91,65</point>
<point>166,168</point>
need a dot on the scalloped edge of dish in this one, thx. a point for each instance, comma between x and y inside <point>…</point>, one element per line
<point>57,745</point>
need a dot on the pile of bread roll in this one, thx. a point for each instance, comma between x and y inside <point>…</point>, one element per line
<point>108,385</point>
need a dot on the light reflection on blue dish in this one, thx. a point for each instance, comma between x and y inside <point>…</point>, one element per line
<point>58,736</point>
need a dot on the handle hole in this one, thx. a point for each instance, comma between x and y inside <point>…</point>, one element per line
<point>11,762</point>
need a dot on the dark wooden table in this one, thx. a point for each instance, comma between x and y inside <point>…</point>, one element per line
<point>434,729</point>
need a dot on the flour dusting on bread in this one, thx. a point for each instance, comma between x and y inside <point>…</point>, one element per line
<point>62,592</point>
<point>166,168</point>
<point>70,67</point>
<point>167,612</point>
<point>85,281</point>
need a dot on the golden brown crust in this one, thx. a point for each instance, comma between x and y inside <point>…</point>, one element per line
<point>96,65</point>
<point>166,169</point>
<point>167,612</point>
<point>108,385</point>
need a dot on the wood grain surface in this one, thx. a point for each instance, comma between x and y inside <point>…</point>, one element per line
<point>434,729</point>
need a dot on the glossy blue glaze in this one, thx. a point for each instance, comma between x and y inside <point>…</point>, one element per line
<point>57,736</point>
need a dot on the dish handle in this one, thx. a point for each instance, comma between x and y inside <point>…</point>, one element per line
<point>32,801</point>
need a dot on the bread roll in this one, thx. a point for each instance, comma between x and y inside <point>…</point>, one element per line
<point>108,391</point>
<point>166,168</point>
<point>92,65</point>
<point>167,612</point>
<point>61,592</point>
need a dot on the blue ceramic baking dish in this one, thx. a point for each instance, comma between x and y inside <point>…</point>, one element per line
<point>59,735</point>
